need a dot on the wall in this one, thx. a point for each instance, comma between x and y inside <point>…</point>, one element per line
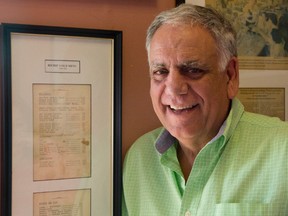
<point>130,16</point>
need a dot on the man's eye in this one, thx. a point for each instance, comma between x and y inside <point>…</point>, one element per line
<point>194,73</point>
<point>195,70</point>
<point>159,74</point>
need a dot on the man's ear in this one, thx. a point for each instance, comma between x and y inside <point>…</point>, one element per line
<point>232,72</point>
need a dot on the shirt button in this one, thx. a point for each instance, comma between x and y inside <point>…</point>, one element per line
<point>187,213</point>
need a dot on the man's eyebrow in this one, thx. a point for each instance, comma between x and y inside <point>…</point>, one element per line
<point>193,64</point>
<point>185,64</point>
<point>190,63</point>
<point>157,65</point>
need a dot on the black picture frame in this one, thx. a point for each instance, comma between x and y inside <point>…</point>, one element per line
<point>6,160</point>
<point>178,2</point>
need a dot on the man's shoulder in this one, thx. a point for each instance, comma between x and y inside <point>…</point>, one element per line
<point>142,152</point>
<point>264,121</point>
<point>147,140</point>
<point>263,127</point>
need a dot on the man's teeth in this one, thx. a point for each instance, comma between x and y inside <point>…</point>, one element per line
<point>182,107</point>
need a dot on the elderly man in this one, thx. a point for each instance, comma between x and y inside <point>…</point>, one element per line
<point>210,157</point>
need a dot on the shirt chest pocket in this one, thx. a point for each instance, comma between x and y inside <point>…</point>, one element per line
<point>251,209</point>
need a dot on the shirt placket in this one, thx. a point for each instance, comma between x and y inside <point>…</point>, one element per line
<point>203,167</point>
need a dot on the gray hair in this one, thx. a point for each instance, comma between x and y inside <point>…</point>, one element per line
<point>187,14</point>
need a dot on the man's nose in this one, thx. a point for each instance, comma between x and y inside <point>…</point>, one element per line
<point>176,84</point>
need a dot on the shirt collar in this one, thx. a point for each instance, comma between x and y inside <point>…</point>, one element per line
<point>166,140</point>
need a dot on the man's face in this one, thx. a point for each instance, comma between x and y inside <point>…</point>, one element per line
<point>189,94</point>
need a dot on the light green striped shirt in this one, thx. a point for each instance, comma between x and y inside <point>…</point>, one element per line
<point>242,171</point>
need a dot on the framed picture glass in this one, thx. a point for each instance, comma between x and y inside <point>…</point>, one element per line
<point>60,121</point>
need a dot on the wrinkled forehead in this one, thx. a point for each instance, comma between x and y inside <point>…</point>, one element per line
<point>175,28</point>
<point>181,44</point>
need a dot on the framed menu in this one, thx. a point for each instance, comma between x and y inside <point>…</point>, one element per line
<point>60,121</point>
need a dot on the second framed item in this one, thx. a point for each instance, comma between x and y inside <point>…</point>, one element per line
<point>262,53</point>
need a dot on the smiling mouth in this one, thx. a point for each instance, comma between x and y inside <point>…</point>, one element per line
<point>182,108</point>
